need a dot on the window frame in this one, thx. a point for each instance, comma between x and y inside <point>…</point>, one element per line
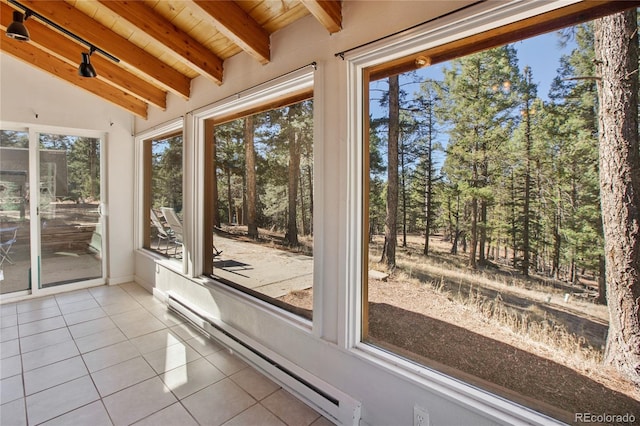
<point>143,188</point>
<point>293,87</point>
<point>471,30</point>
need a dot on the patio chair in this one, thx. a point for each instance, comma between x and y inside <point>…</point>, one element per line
<point>163,233</point>
<point>8,236</point>
<point>175,225</point>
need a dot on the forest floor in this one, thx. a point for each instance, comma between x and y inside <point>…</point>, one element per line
<point>536,341</point>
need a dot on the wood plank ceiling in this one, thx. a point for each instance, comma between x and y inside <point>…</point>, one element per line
<point>161,45</point>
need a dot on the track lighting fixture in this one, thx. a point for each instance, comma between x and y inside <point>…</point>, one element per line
<point>16,30</point>
<point>86,69</point>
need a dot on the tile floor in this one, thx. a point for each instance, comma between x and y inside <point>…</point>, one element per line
<point>114,355</point>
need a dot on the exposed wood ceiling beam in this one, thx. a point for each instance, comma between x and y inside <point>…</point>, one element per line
<point>69,51</point>
<point>163,31</point>
<point>327,12</point>
<point>31,54</point>
<point>100,36</point>
<point>235,24</point>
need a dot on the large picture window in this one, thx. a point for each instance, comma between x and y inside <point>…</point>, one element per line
<point>482,231</point>
<point>259,200</point>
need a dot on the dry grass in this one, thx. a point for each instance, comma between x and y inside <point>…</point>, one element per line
<point>536,329</point>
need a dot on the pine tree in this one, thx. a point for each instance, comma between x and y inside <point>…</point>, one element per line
<point>479,102</point>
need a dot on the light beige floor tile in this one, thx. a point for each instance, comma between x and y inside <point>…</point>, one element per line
<point>289,408</point>
<point>8,309</point>
<point>113,297</point>
<point>204,345</point>
<point>10,366</point>
<point>40,314</point>
<point>227,363</point>
<point>84,316</point>
<point>91,327</point>
<point>136,329</point>
<point>116,308</point>
<point>100,339</point>
<point>139,401</point>
<point>73,296</point>
<point>93,414</point>
<point>36,304</point>
<point>9,348</point>
<point>157,340</point>
<point>9,333</point>
<point>81,305</point>
<point>41,326</point>
<point>54,374</point>
<point>254,383</point>
<point>171,357</point>
<point>256,415</point>
<point>134,289</point>
<point>8,321</point>
<point>49,355</point>
<point>42,340</point>
<point>60,399</point>
<point>13,413</point>
<point>186,331</point>
<point>137,315</point>
<point>123,375</point>
<point>191,377</point>
<point>172,415</point>
<point>111,355</point>
<point>165,316</point>
<point>218,403</point>
<point>11,389</point>
<point>322,421</point>
<point>105,290</point>
<point>146,299</point>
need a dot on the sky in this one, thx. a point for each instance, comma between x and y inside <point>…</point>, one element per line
<point>542,54</point>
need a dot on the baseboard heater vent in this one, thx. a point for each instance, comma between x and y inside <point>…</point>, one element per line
<point>329,401</point>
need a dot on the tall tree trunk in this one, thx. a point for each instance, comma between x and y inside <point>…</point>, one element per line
<point>291,236</point>
<point>390,223</point>
<point>403,187</point>
<point>514,234</point>
<point>229,197</point>
<point>483,232</point>
<point>303,210</point>
<point>557,240</point>
<point>474,233</point>
<point>214,183</point>
<point>616,46</point>
<point>526,245</point>
<point>456,229</point>
<point>602,281</point>
<point>429,182</point>
<point>310,183</point>
<point>250,165</point>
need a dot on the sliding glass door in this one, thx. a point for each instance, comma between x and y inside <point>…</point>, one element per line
<point>15,212</point>
<point>69,209</point>
<point>51,223</point>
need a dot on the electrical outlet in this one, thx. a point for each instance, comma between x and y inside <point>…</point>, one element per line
<point>420,416</point>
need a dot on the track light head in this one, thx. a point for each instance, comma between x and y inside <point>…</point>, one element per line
<point>17,30</point>
<point>86,69</point>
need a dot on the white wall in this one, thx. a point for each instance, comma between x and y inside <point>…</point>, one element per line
<point>34,98</point>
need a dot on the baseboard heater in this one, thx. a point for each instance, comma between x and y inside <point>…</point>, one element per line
<point>332,403</point>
